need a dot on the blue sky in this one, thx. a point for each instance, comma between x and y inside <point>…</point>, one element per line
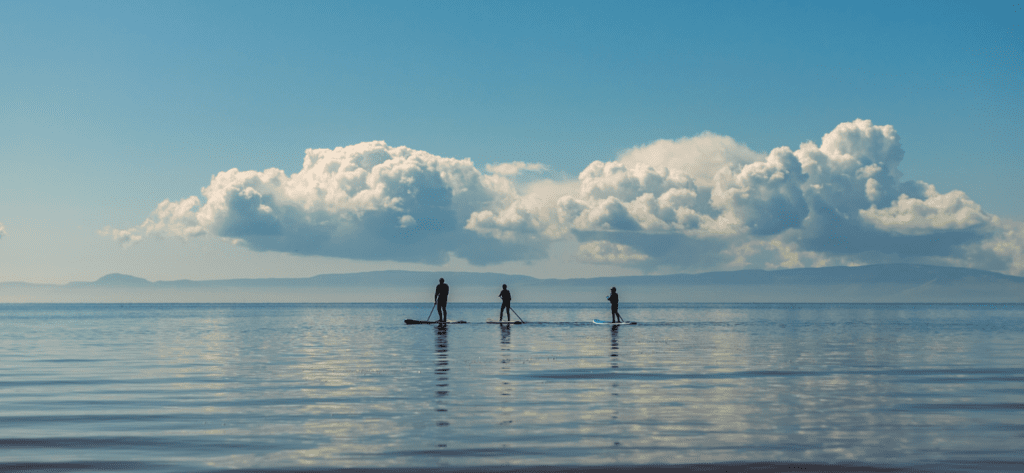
<point>110,108</point>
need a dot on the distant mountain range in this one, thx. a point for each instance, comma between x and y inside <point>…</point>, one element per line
<point>875,283</point>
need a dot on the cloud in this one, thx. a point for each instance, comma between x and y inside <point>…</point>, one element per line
<point>766,196</point>
<point>177,219</point>
<point>840,202</point>
<point>698,203</point>
<point>608,252</point>
<point>699,157</point>
<point>936,212</point>
<point>513,168</point>
<point>367,201</point>
<point>3,231</point>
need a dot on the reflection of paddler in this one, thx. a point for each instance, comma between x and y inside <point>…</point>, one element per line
<point>441,299</point>
<point>506,303</point>
<point>615,346</point>
<point>441,351</point>
<point>441,370</point>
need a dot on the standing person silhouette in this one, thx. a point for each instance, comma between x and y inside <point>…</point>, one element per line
<point>441,299</point>
<point>506,302</point>
<point>614,299</point>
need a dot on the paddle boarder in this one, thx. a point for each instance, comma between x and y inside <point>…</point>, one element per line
<point>506,303</point>
<point>441,299</point>
<point>614,299</point>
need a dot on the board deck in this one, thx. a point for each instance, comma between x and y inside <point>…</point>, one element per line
<point>412,321</point>
<point>503,322</point>
<point>605,322</point>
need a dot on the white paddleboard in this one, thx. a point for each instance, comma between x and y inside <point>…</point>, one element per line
<point>605,322</point>
<point>411,321</point>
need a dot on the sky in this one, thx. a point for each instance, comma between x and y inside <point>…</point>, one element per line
<point>212,140</point>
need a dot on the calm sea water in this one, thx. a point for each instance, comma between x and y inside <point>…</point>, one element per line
<point>211,387</point>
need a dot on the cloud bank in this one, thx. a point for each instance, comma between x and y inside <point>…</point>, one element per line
<point>3,231</point>
<point>367,201</point>
<point>700,203</point>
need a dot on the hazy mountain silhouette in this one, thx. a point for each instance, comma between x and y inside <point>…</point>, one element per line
<point>874,283</point>
<point>115,280</point>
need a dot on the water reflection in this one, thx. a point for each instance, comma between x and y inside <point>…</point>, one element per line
<point>506,391</point>
<point>441,370</point>
<point>506,408</point>
<point>613,354</point>
<point>304,388</point>
<point>506,336</point>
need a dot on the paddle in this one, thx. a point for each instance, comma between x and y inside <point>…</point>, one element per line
<point>517,315</point>
<point>431,314</point>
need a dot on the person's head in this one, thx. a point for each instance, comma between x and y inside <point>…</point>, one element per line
<point>504,286</point>
<point>613,289</point>
<point>442,280</point>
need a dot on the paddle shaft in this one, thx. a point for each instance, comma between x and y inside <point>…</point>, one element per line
<point>432,311</point>
<point>517,315</point>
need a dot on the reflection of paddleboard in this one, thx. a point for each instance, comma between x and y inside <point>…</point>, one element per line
<point>503,322</point>
<point>605,322</point>
<point>411,321</point>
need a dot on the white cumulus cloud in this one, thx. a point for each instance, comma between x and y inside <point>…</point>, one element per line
<point>840,202</point>
<point>513,168</point>
<point>366,201</point>
<point>177,219</point>
<point>698,203</point>
<point>766,196</point>
<point>936,212</point>
<point>608,252</point>
<point>699,157</point>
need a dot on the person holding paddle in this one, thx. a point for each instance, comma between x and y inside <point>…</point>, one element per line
<point>506,303</point>
<point>441,299</point>
<point>614,299</point>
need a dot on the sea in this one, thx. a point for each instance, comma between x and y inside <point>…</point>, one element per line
<point>690,387</point>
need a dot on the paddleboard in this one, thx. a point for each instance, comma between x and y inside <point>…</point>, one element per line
<point>411,321</point>
<point>605,322</point>
<point>503,322</point>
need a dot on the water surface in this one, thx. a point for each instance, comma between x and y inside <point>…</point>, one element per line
<point>207,387</point>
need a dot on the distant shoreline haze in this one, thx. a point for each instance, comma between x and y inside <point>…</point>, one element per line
<point>897,283</point>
